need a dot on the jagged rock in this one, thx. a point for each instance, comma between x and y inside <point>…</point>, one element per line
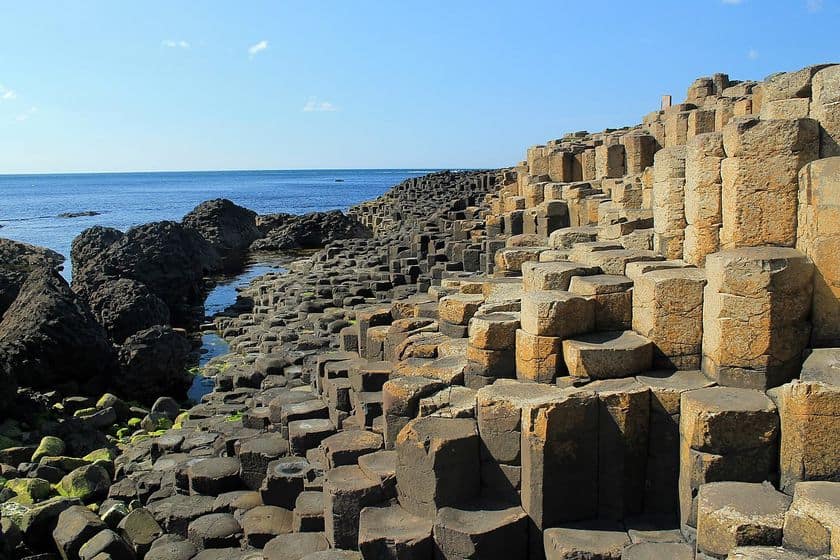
<point>17,261</point>
<point>309,231</point>
<point>170,259</point>
<point>49,337</point>
<point>125,307</point>
<point>153,361</point>
<point>229,228</point>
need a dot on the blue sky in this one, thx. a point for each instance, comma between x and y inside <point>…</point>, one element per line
<point>118,86</point>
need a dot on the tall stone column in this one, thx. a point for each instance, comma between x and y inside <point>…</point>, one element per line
<point>818,236</point>
<point>825,108</point>
<point>668,201</point>
<point>704,154</point>
<point>759,177</point>
<point>755,316</point>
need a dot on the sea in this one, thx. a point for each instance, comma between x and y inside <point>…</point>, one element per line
<point>32,206</point>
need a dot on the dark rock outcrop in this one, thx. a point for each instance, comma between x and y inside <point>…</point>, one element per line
<point>17,261</point>
<point>153,363</point>
<point>87,254</point>
<point>82,214</point>
<point>309,231</point>
<point>170,259</point>
<point>49,337</point>
<point>229,228</point>
<point>125,307</point>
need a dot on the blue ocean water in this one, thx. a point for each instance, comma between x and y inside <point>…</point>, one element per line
<point>30,205</point>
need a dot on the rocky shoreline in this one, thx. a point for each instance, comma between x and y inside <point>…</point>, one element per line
<point>622,348</point>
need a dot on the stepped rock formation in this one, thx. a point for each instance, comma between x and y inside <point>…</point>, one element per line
<point>624,347</point>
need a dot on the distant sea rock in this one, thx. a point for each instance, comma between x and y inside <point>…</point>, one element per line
<point>309,231</point>
<point>79,214</point>
<point>17,261</point>
<point>50,337</point>
<point>230,229</point>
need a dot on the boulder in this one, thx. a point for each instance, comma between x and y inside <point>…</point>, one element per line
<point>85,253</point>
<point>17,261</point>
<point>170,259</point>
<point>153,361</point>
<point>49,337</point>
<point>89,483</point>
<point>229,228</point>
<point>125,307</point>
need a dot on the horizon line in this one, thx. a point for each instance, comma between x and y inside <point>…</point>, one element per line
<point>262,170</point>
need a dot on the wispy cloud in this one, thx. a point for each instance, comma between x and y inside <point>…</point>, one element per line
<point>254,50</point>
<point>752,54</point>
<point>25,115</point>
<point>732,2</point>
<point>315,106</point>
<point>173,44</point>
<point>813,6</point>
<point>7,94</point>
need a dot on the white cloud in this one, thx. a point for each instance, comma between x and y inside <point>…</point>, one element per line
<point>814,5</point>
<point>315,106</point>
<point>732,2</point>
<point>172,44</point>
<point>253,50</point>
<point>25,116</point>
<point>7,94</point>
<point>752,54</point>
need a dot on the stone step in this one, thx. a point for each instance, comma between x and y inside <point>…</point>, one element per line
<point>295,546</point>
<point>583,542</point>
<point>556,313</point>
<point>612,296</point>
<point>393,533</point>
<point>812,518</point>
<point>345,448</point>
<point>481,530</point>
<point>552,275</point>
<point>732,514</point>
<point>606,355</point>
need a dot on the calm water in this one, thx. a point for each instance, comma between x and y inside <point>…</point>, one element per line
<point>30,204</point>
<point>220,298</point>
